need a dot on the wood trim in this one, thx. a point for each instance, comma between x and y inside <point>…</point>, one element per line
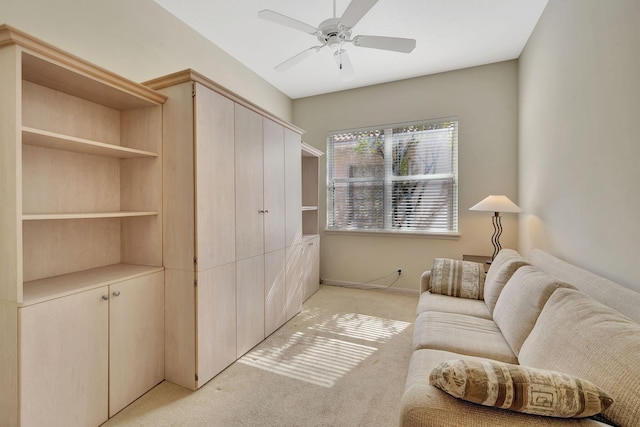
<point>309,151</point>
<point>10,35</point>
<point>192,75</point>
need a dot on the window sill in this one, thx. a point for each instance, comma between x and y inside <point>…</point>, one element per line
<point>386,233</point>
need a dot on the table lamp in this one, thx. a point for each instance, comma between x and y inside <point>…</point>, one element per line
<point>496,204</point>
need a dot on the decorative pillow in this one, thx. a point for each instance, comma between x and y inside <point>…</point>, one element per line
<point>519,388</point>
<point>457,278</point>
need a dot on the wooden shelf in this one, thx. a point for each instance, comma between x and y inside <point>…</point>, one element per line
<point>63,72</point>
<point>309,208</point>
<point>86,215</point>
<point>43,138</point>
<point>41,290</point>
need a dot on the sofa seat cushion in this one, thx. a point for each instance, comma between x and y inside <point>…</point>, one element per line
<point>463,279</point>
<point>577,335</point>
<point>502,268</point>
<point>521,302</point>
<point>447,304</point>
<point>424,405</point>
<point>520,388</point>
<point>461,334</point>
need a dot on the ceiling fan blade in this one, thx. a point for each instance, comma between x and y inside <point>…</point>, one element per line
<point>272,16</point>
<point>396,44</point>
<point>296,59</point>
<point>344,65</point>
<point>355,11</point>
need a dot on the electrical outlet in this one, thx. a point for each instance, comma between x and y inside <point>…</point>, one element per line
<point>399,272</point>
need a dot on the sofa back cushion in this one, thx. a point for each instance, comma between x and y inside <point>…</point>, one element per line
<point>502,268</point>
<point>622,299</point>
<point>457,278</point>
<point>521,302</point>
<point>579,336</point>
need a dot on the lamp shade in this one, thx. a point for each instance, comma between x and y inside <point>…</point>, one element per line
<point>496,204</point>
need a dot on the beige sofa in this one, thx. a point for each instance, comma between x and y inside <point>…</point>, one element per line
<point>538,312</point>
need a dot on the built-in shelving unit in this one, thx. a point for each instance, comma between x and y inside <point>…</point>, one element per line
<point>91,173</point>
<point>310,156</point>
<point>81,269</point>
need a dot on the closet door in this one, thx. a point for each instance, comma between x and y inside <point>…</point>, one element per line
<point>250,303</point>
<point>274,205</point>
<point>215,189</point>
<point>216,321</point>
<point>249,183</point>
<point>275,293</point>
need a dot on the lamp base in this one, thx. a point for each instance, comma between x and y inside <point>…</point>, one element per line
<point>497,231</point>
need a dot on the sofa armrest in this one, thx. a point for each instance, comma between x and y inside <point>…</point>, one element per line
<point>424,281</point>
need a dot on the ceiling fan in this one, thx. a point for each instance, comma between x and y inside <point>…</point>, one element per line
<point>334,33</point>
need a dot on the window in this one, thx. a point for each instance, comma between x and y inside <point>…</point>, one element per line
<point>401,178</point>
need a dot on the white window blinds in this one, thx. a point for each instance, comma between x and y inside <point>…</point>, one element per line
<point>400,178</point>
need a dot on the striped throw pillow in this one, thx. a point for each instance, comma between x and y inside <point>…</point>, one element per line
<point>519,388</point>
<point>457,278</point>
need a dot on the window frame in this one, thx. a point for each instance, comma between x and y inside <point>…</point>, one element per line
<point>389,178</point>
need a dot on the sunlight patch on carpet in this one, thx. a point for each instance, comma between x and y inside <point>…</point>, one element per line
<point>315,359</point>
<point>361,326</point>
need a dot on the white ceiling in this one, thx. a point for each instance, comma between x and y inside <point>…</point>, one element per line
<point>450,35</point>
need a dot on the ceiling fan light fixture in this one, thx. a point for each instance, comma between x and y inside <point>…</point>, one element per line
<point>334,42</point>
<point>335,32</point>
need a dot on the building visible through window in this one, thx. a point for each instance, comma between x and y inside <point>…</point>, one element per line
<point>400,178</point>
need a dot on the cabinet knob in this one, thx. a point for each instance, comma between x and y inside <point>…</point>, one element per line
<point>266,211</point>
<point>116,293</point>
<point>105,297</point>
<point>260,211</point>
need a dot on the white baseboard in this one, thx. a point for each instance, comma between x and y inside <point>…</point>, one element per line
<point>367,286</point>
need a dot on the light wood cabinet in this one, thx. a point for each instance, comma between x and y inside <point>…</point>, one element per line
<point>80,150</point>
<point>241,168</point>
<point>103,347</point>
<point>199,232</point>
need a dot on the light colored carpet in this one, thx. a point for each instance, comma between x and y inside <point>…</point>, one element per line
<point>341,362</point>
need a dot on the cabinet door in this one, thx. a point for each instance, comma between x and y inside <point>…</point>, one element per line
<point>250,303</point>
<point>275,294</point>
<point>216,308</point>
<point>293,188</point>
<point>136,344</point>
<point>274,205</point>
<point>64,361</point>
<point>215,191</point>
<point>249,183</point>
<point>296,264</point>
<point>312,270</point>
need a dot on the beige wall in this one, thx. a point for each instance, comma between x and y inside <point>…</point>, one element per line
<point>139,40</point>
<point>579,144</point>
<point>486,102</point>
